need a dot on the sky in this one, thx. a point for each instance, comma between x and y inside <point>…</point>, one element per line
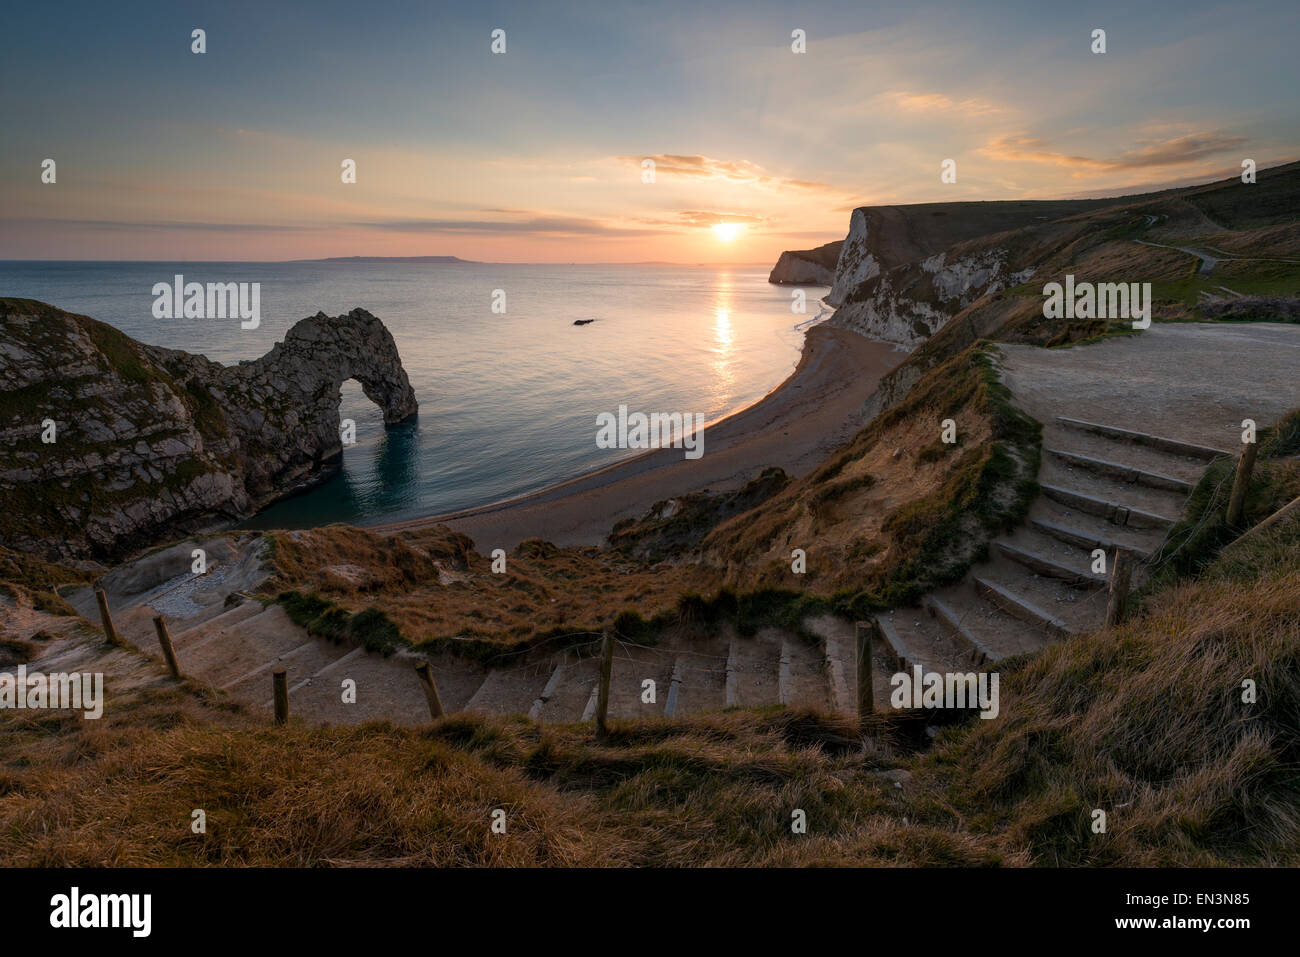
<point>537,154</point>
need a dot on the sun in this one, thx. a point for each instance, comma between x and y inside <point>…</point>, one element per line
<point>726,232</point>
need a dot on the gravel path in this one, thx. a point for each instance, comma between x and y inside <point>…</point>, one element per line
<point>1190,381</point>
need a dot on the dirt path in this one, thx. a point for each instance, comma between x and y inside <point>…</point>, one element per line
<point>1189,381</point>
<point>1208,261</point>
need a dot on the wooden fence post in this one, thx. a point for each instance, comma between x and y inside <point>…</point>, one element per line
<point>168,651</point>
<point>602,696</point>
<point>1241,483</point>
<point>280,683</point>
<point>1121,574</point>
<point>110,632</point>
<point>866,630</point>
<point>425,674</point>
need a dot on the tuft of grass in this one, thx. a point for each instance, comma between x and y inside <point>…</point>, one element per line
<point>370,628</point>
<point>1202,531</point>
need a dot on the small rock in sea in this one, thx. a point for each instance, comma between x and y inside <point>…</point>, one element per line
<point>583,322</point>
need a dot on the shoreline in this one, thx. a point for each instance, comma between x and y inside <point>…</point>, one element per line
<point>820,403</point>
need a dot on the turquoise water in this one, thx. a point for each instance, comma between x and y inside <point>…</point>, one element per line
<point>508,403</point>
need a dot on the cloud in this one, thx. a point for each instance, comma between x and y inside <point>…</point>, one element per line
<point>162,225</point>
<point>733,171</point>
<point>708,218</point>
<point>534,224</point>
<point>538,225</point>
<point>1179,151</point>
<point>905,102</point>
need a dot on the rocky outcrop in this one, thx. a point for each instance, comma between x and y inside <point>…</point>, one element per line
<point>807,267</point>
<point>882,238</point>
<point>108,445</point>
<point>904,271</point>
<point>909,303</point>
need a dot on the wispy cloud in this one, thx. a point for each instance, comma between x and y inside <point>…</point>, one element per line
<point>907,102</point>
<point>1179,151</point>
<point>708,218</point>
<point>537,225</point>
<point>161,226</point>
<point>705,167</point>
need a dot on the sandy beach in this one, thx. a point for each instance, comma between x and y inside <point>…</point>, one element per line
<point>796,426</point>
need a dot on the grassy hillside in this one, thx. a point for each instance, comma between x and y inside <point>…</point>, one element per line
<point>1145,722</point>
<point>896,512</point>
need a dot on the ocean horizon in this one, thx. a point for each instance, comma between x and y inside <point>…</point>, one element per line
<point>508,402</point>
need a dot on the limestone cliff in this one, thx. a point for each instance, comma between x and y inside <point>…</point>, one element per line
<point>882,238</point>
<point>904,271</point>
<point>807,267</point>
<point>108,445</point>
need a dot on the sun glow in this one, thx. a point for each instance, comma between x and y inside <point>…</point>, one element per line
<point>726,232</point>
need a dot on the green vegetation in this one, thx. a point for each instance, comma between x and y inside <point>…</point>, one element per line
<point>1195,542</point>
<point>122,353</point>
<point>988,489</point>
<point>370,629</point>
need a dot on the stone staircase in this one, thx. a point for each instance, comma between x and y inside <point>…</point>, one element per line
<point>235,648</point>
<point>1102,487</point>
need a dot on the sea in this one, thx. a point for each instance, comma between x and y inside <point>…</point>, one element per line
<point>508,400</point>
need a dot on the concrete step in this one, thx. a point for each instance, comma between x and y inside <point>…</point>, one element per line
<point>1018,606</point>
<point>1041,564</point>
<point>135,625</point>
<point>233,616</point>
<point>510,690</point>
<point>1080,538</point>
<point>1166,504</point>
<point>753,668</point>
<point>839,659</point>
<point>570,691</point>
<point>801,674</point>
<point>840,664</point>
<point>1111,511</point>
<point>1077,528</point>
<point>914,638</point>
<point>1163,443</point>
<point>299,663</point>
<point>632,667</point>
<point>386,689</point>
<point>560,662</point>
<point>951,620</point>
<point>242,647</point>
<point>1143,457</point>
<point>985,627</point>
<point>1121,472</point>
<point>703,682</point>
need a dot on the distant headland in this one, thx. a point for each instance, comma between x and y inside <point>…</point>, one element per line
<point>389,259</point>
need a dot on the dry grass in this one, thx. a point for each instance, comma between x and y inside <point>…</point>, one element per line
<point>1145,722</point>
<point>895,512</point>
<point>433,586</point>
